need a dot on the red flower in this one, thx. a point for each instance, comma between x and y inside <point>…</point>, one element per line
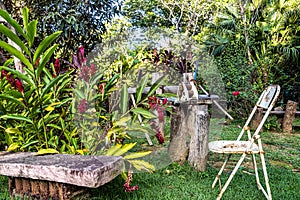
<point>37,62</point>
<point>102,88</point>
<point>81,50</point>
<point>80,56</point>
<point>82,106</point>
<point>127,186</point>
<point>3,73</point>
<point>57,66</point>
<point>165,101</point>
<point>19,85</point>
<point>160,138</point>
<point>236,93</point>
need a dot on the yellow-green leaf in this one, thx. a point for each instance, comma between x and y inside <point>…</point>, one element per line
<point>125,148</point>
<point>113,149</point>
<point>13,147</point>
<point>12,130</point>
<point>80,152</point>
<point>142,165</point>
<point>122,122</point>
<point>137,155</point>
<point>51,106</point>
<point>46,151</point>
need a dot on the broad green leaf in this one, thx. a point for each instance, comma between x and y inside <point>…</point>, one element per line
<point>124,99</point>
<point>54,126</point>
<point>8,62</point>
<point>80,93</point>
<point>12,99</point>
<point>46,151</point>
<point>12,22</point>
<point>124,149</point>
<point>145,113</point>
<point>113,149</point>
<point>44,45</point>
<point>16,53</point>
<point>16,117</point>
<point>30,73</point>
<point>63,86</point>
<point>45,59</point>
<point>141,87</point>
<point>156,85</point>
<point>20,75</point>
<point>142,165</point>
<point>96,79</point>
<point>139,128</point>
<point>54,81</point>
<point>111,81</point>
<point>8,33</point>
<point>137,155</point>
<point>28,143</point>
<point>13,147</point>
<point>25,17</point>
<point>31,32</point>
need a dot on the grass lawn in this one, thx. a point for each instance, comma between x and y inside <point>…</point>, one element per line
<point>182,182</point>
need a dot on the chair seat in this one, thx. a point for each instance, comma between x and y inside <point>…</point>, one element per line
<point>233,147</point>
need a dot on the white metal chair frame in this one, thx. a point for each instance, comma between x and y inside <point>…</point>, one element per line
<point>266,101</point>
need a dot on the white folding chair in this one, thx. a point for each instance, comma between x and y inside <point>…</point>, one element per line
<point>252,146</point>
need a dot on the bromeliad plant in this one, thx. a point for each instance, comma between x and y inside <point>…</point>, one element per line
<point>34,104</point>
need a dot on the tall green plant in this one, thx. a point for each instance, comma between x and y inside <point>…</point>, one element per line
<point>34,113</point>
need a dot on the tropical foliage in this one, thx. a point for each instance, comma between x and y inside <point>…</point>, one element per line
<point>82,22</point>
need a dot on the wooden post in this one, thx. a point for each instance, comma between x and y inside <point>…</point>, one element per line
<point>198,149</point>
<point>289,116</point>
<point>178,148</point>
<point>257,118</point>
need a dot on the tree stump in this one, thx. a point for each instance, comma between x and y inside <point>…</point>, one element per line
<point>189,135</point>
<point>289,116</point>
<point>198,149</point>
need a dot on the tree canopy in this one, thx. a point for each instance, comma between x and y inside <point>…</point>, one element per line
<point>82,22</point>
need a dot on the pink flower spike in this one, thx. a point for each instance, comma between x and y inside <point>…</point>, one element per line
<point>81,49</point>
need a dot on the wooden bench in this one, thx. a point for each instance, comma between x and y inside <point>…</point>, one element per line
<point>58,176</point>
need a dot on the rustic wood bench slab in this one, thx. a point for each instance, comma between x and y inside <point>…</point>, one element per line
<point>58,176</point>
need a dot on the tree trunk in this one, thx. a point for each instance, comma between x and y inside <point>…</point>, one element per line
<point>289,116</point>
<point>245,31</point>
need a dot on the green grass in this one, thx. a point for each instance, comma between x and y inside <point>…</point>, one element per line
<point>182,182</point>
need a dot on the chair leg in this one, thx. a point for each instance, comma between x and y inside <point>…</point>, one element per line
<point>269,195</point>
<point>256,171</point>
<point>220,172</point>
<point>231,176</point>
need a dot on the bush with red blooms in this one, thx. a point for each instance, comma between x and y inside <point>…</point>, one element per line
<point>157,104</point>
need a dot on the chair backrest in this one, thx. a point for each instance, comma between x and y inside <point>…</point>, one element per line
<point>268,96</point>
<point>266,101</point>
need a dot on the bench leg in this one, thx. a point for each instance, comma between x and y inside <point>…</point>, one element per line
<point>39,189</point>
